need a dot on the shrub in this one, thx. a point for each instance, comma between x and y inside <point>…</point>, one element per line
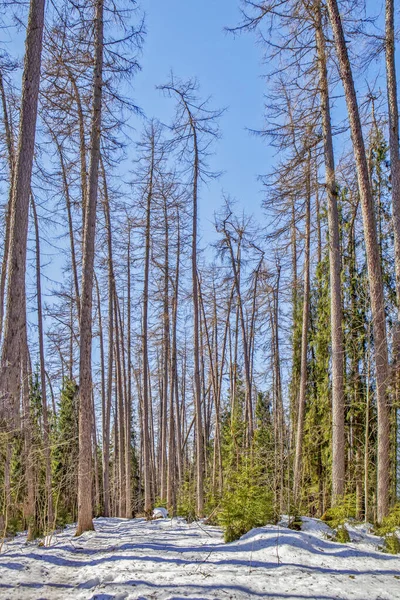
<point>295,523</point>
<point>343,510</point>
<point>186,501</point>
<point>342,535</point>
<point>390,523</point>
<point>245,506</point>
<point>392,544</point>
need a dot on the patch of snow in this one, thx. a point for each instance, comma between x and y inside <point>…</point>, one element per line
<point>169,559</point>
<point>160,513</point>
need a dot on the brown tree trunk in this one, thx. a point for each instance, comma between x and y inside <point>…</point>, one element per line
<point>128,410</point>
<point>338,446</point>
<point>10,153</point>
<point>15,322</point>
<point>196,340</point>
<point>146,400</point>
<point>110,354</point>
<point>46,430</point>
<point>85,471</point>
<point>166,359</point>
<point>102,374</point>
<point>373,262</point>
<point>246,357</point>
<point>391,83</point>
<point>304,347</point>
<point>121,414</point>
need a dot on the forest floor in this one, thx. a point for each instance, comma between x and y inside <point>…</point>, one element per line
<point>170,559</point>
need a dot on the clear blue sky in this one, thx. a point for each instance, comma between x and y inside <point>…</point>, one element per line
<point>188,36</point>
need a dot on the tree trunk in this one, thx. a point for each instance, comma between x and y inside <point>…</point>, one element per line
<point>373,262</point>
<point>102,376</point>
<point>46,430</point>
<point>391,83</point>
<point>15,322</point>
<point>10,153</point>
<point>110,355</point>
<point>166,358</point>
<point>338,445</point>
<point>304,347</point>
<point>85,471</point>
<point>146,421</point>
<point>121,414</point>
<point>128,410</point>
<point>196,341</point>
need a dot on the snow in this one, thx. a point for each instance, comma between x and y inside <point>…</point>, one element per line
<point>171,559</point>
<point>160,513</point>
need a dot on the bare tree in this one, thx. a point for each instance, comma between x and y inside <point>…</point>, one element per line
<point>373,260</point>
<point>194,127</point>
<point>85,509</point>
<point>15,321</point>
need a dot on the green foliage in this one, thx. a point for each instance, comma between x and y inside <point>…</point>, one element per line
<point>390,523</point>
<point>342,535</point>
<point>343,510</point>
<point>186,501</point>
<point>317,426</point>
<point>392,544</point>
<point>295,523</point>
<point>246,504</point>
<point>65,454</point>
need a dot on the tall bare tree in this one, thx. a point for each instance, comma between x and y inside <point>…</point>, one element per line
<point>85,470</point>
<point>373,260</point>
<point>15,320</point>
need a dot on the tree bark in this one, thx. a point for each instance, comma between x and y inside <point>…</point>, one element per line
<point>146,422</point>
<point>373,262</point>
<point>46,430</point>
<point>15,322</point>
<point>338,445</point>
<point>85,470</point>
<point>128,411</point>
<point>304,346</point>
<point>10,153</point>
<point>391,84</point>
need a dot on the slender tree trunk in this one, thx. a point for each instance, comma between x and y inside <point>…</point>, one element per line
<point>10,153</point>
<point>128,425</point>
<point>249,405</point>
<point>82,144</point>
<point>46,430</point>
<point>278,385</point>
<point>15,322</point>
<point>146,421</point>
<point>85,471</point>
<point>373,262</point>
<point>166,359</point>
<point>121,413</point>
<point>304,347</point>
<point>29,451</point>
<point>391,84</point>
<point>338,445</point>
<point>102,374</point>
<point>110,356</point>
<point>196,340</point>
<point>70,226</point>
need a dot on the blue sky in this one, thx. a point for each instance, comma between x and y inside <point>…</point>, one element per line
<point>188,36</point>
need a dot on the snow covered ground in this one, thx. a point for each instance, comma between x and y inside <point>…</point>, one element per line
<point>167,559</point>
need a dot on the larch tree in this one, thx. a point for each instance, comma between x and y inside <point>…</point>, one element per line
<point>15,318</point>
<point>85,470</point>
<point>373,260</point>
<point>196,123</point>
<point>338,446</point>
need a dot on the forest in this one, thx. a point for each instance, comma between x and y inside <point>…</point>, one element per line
<point>232,378</point>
